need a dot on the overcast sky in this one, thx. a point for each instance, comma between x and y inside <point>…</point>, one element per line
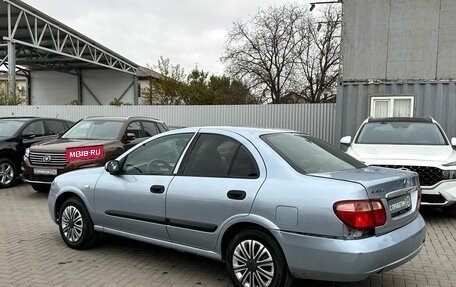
<point>188,32</point>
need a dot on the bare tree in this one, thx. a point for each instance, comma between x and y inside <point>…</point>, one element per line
<point>286,54</point>
<point>318,70</point>
<point>262,50</point>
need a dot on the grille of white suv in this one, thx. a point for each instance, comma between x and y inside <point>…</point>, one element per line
<point>428,175</point>
<point>48,159</point>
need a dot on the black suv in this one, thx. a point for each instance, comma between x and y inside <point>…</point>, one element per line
<point>19,133</point>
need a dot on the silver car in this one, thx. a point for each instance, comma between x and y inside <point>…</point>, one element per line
<point>272,204</point>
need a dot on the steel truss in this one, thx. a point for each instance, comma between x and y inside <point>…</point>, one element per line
<point>28,29</point>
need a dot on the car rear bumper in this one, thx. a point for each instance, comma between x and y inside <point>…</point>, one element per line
<point>351,260</point>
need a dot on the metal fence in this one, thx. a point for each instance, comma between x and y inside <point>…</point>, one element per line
<point>315,119</point>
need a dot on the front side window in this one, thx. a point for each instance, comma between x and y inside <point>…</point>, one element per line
<point>412,133</point>
<point>157,157</point>
<point>94,129</point>
<point>36,128</point>
<point>135,128</point>
<point>307,154</point>
<point>220,156</point>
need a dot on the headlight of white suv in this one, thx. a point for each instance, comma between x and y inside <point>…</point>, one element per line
<point>453,163</point>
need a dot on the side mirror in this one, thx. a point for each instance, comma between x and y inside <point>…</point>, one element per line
<point>346,140</point>
<point>453,142</point>
<point>130,137</point>
<point>113,167</point>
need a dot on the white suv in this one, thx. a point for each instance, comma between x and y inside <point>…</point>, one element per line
<point>416,144</point>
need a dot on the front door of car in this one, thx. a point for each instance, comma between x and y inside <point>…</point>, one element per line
<point>134,200</point>
<point>216,183</point>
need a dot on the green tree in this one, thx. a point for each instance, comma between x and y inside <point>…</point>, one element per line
<point>6,100</point>
<point>230,91</point>
<point>170,88</point>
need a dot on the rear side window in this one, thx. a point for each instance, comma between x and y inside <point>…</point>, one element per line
<point>162,127</point>
<point>220,156</point>
<point>55,127</point>
<point>307,154</point>
<point>150,129</point>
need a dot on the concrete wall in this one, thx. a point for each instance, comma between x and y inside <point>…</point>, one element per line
<point>399,39</point>
<point>107,85</point>
<point>56,88</point>
<point>49,87</point>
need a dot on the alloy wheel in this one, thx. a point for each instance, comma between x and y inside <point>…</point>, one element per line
<point>253,264</point>
<point>72,224</point>
<point>6,173</point>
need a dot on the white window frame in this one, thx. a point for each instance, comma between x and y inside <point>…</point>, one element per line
<point>391,100</point>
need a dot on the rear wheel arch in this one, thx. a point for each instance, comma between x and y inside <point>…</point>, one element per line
<point>235,229</point>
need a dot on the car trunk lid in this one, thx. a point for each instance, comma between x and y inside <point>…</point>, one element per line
<point>398,191</point>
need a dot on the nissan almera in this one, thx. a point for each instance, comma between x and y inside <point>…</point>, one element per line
<point>272,204</point>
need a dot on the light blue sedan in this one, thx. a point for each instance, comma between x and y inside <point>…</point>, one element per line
<point>272,204</point>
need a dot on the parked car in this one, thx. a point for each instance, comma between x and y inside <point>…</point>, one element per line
<point>89,143</point>
<point>416,144</point>
<point>17,134</point>
<point>271,203</point>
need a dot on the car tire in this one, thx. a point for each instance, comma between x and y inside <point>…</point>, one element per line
<point>244,253</point>
<point>7,173</point>
<point>75,225</point>
<point>42,188</point>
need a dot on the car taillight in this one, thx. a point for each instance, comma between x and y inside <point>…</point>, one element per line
<point>361,214</point>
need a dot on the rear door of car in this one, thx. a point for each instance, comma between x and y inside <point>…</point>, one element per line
<point>217,181</point>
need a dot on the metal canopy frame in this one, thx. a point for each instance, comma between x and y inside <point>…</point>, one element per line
<point>31,40</point>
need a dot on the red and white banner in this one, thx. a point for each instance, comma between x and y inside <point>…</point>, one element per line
<point>84,153</point>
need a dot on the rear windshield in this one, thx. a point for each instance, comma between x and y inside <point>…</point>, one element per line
<point>9,127</point>
<point>307,154</point>
<point>401,133</point>
<point>99,129</point>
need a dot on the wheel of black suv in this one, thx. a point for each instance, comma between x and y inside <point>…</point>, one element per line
<point>41,187</point>
<point>75,224</point>
<point>7,172</point>
<point>254,259</point>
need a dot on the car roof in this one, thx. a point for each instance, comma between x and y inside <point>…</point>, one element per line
<point>401,119</point>
<point>26,119</point>
<point>244,131</point>
<point>120,118</point>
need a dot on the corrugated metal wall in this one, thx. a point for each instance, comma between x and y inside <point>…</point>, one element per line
<point>432,98</point>
<point>315,119</point>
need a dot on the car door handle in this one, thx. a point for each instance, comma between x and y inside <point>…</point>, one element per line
<point>236,194</point>
<point>157,189</point>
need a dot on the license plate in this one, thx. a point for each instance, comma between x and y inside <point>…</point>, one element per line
<point>400,204</point>
<point>45,171</point>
